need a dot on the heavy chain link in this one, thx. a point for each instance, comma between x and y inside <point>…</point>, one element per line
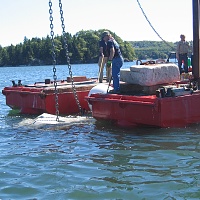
<point>54,60</point>
<point>67,56</point>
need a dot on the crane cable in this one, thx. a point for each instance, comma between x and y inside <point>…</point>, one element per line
<point>153,27</point>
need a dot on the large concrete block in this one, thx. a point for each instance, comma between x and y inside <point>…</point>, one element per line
<point>152,74</point>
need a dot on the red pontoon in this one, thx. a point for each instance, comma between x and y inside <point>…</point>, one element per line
<point>126,110</point>
<point>174,105</point>
<point>40,97</point>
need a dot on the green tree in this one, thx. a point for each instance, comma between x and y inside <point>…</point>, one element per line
<point>4,57</point>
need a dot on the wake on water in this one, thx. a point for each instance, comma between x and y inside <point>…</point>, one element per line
<point>48,121</point>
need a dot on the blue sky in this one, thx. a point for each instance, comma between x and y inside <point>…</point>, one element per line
<point>30,18</point>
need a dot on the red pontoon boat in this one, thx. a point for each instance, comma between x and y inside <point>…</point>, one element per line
<point>175,103</point>
<point>129,110</point>
<point>40,97</point>
<point>167,105</point>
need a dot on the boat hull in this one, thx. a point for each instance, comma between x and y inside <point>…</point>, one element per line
<point>149,110</point>
<point>40,98</point>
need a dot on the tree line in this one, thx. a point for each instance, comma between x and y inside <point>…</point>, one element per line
<point>82,48</point>
<point>146,50</point>
<point>152,49</point>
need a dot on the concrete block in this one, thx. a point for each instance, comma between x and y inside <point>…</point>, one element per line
<point>152,74</point>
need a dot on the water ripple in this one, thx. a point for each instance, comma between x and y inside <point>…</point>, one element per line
<point>95,160</point>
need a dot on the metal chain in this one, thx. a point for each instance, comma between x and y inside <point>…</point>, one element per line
<point>153,27</point>
<point>68,58</point>
<point>54,60</point>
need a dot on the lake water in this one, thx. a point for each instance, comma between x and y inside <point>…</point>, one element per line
<point>92,160</point>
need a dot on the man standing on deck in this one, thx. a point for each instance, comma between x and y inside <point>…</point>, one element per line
<point>116,60</point>
<point>182,51</point>
<point>103,57</point>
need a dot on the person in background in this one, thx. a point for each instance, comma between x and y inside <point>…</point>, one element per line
<point>182,51</point>
<point>103,57</point>
<point>116,60</point>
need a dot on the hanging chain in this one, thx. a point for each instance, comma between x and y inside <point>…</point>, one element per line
<point>54,60</point>
<point>68,58</point>
<point>153,27</point>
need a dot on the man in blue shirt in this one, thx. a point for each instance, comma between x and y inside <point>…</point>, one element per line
<point>103,57</point>
<point>116,60</point>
